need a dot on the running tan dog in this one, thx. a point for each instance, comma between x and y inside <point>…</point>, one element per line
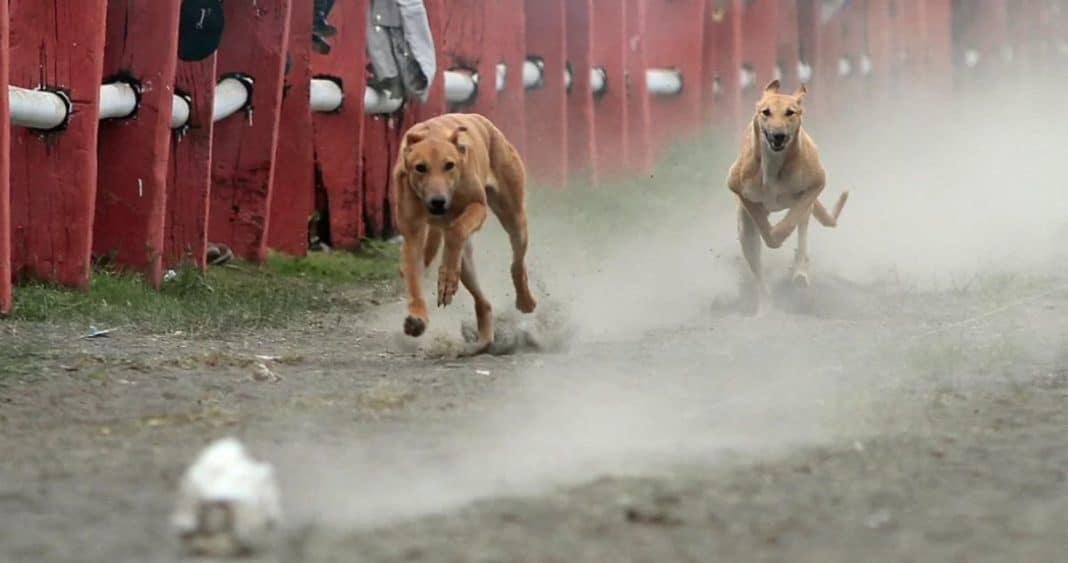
<point>449,169</point>
<point>779,169</point>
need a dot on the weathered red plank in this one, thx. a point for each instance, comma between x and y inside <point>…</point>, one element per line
<point>580,132</point>
<point>838,71</point>
<point>5,171</point>
<point>787,51</point>
<point>639,154</point>
<point>140,47</point>
<point>808,27</point>
<point>293,191</point>
<point>880,44</point>
<point>979,36</point>
<point>1024,20</point>
<point>243,166</point>
<point>759,28</point>
<point>939,34</point>
<point>609,47</point>
<point>722,59</point>
<point>511,41</point>
<point>546,106</point>
<point>189,169</point>
<point>379,134</point>
<point>470,44</point>
<point>339,136</point>
<point>676,41</point>
<point>58,44</point>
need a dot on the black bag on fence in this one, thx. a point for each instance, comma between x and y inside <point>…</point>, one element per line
<point>200,27</point>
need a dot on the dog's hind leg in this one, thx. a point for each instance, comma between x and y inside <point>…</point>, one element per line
<point>483,309</point>
<point>800,275</point>
<point>513,218</point>
<point>749,236</point>
<point>830,219</point>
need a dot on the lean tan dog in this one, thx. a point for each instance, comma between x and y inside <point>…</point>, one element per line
<point>779,169</point>
<point>449,169</point>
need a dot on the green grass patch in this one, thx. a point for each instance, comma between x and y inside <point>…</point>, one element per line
<point>376,260</point>
<point>237,296</point>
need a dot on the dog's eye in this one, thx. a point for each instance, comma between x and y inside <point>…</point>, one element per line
<point>421,168</point>
<point>790,113</point>
<point>767,113</point>
<point>449,166</point>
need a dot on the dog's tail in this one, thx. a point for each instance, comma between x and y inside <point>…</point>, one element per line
<point>829,219</point>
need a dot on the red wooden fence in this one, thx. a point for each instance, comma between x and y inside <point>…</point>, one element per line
<point>243,155</point>
<point>132,157</point>
<point>262,174</point>
<point>5,172</point>
<point>293,190</point>
<point>338,136</point>
<point>58,45</point>
<point>546,104</point>
<point>609,52</point>
<point>189,171</point>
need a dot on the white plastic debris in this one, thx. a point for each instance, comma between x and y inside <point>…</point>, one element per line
<point>260,372</point>
<point>227,502</point>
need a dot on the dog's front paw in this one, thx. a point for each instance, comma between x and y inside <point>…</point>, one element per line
<point>448,283</point>
<point>414,326</point>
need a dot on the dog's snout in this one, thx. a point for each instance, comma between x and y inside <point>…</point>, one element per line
<point>779,138</point>
<point>437,204</point>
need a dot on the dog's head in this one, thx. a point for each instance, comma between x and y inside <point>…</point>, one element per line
<point>778,116</point>
<point>433,165</point>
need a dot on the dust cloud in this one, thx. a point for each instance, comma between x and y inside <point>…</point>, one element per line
<point>657,373</point>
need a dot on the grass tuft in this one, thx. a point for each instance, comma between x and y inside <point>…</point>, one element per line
<point>238,296</point>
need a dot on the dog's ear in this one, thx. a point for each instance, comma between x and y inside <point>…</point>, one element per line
<point>412,138</point>
<point>772,87</point>
<point>454,138</point>
<point>800,92</point>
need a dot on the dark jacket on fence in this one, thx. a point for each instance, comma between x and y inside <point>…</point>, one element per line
<point>400,48</point>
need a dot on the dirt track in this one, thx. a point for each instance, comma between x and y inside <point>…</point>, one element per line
<point>917,416</point>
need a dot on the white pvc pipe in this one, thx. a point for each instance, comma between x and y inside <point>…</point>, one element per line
<point>866,65</point>
<point>375,102</point>
<point>180,111</point>
<point>663,81</point>
<point>598,80</point>
<point>746,77</point>
<point>845,66</point>
<point>459,86</point>
<point>117,99</point>
<point>502,75</point>
<point>326,95</point>
<point>231,94</point>
<point>531,74</point>
<point>37,109</point>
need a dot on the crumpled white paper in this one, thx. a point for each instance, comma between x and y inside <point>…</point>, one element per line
<point>228,503</point>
